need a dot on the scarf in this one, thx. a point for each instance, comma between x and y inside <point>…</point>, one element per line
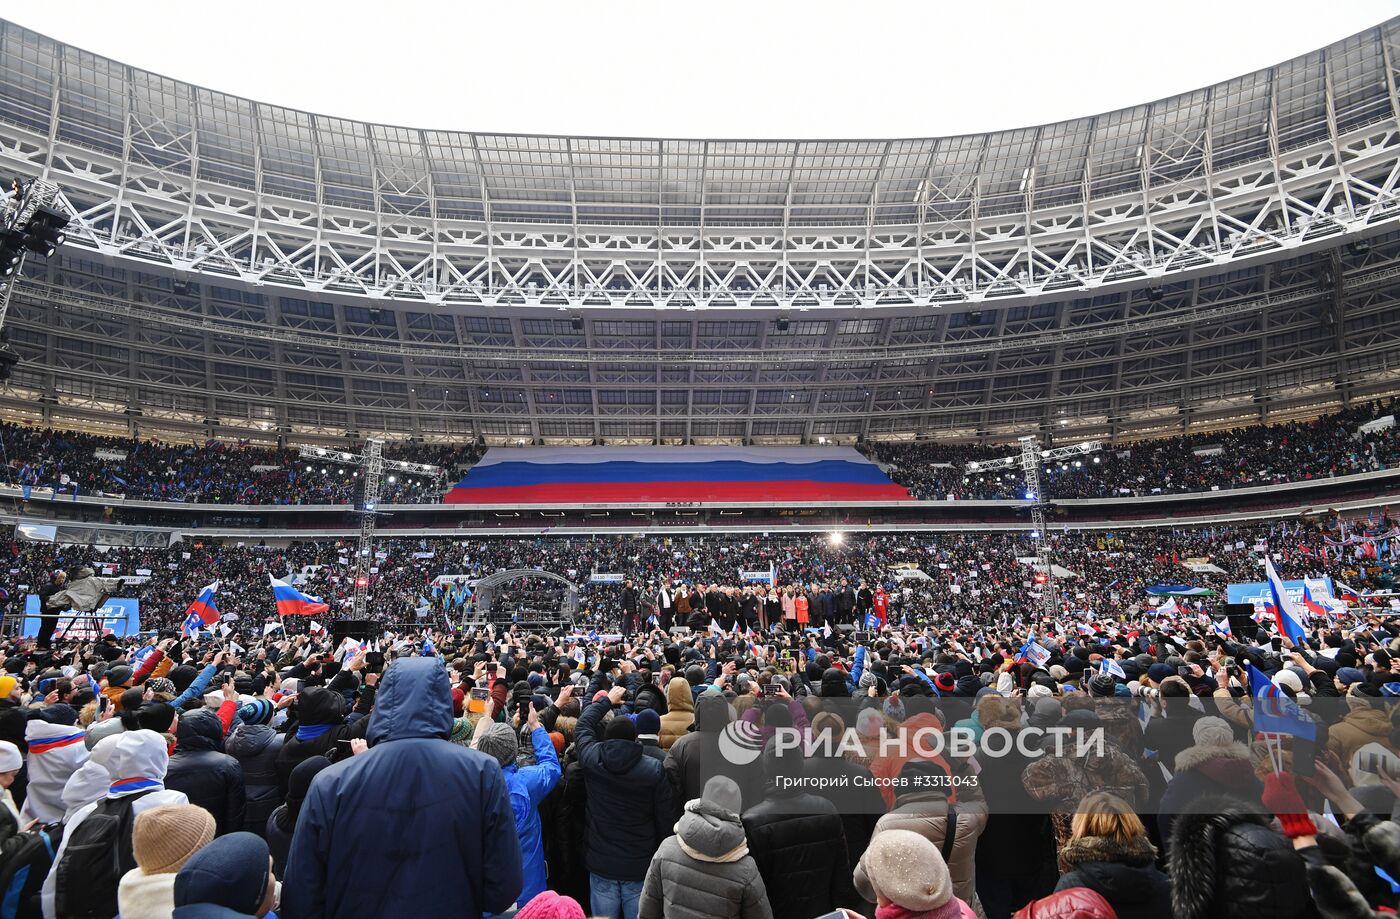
<point>733,855</point>
<point>895,911</point>
<point>312,731</point>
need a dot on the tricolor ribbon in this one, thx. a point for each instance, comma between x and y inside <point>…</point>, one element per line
<point>55,743</point>
<point>123,786</point>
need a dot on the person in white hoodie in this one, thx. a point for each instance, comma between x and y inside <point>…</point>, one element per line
<point>163,839</point>
<point>56,751</point>
<point>136,762</point>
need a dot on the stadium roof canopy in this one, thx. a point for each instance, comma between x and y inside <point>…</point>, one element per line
<point>240,263</point>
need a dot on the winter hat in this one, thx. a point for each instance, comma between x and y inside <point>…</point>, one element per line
<point>232,872</point>
<point>868,723</point>
<point>1211,731</point>
<point>119,675</point>
<point>721,791</point>
<point>162,685</point>
<point>647,722</point>
<point>1159,672</point>
<point>461,732</point>
<point>908,870</point>
<point>945,682</point>
<point>559,742</point>
<point>1101,684</point>
<point>1348,675</point>
<point>459,701</point>
<point>183,675</point>
<point>256,711</point>
<point>621,729</point>
<point>7,685</point>
<point>499,743</point>
<point>156,716</point>
<point>1039,691</point>
<point>10,759</point>
<point>164,838</point>
<point>550,905</point>
<point>1287,679</point>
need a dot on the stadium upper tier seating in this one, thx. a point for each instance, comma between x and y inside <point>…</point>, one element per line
<point>232,474</point>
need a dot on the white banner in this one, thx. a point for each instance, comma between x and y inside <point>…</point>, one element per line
<point>606,577</point>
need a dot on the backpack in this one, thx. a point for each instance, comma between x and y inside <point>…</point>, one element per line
<point>23,872</point>
<point>97,855</point>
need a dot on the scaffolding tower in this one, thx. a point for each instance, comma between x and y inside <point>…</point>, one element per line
<point>372,465</point>
<point>1030,459</point>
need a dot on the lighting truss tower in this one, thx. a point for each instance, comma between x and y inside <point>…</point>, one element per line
<point>40,195</point>
<point>1030,459</point>
<point>372,466</point>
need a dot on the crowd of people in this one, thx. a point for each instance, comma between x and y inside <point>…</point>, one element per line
<point>1251,456</point>
<point>240,474</point>
<point>816,578</point>
<point>73,463</point>
<point>895,771</point>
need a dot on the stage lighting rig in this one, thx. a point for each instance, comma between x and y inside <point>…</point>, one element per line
<point>33,224</point>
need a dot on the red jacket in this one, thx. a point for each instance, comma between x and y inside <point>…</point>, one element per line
<point>1074,903</point>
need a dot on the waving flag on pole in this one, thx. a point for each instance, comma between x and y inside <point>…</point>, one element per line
<point>1274,711</point>
<point>1314,597</point>
<point>292,602</point>
<point>1288,616</point>
<point>202,612</point>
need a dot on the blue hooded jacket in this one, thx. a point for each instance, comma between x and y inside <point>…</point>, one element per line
<point>528,787</point>
<point>415,826</point>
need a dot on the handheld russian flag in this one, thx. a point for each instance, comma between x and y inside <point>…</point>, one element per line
<point>1288,616</point>
<point>292,602</point>
<point>1275,712</point>
<point>1311,603</point>
<point>1346,594</point>
<point>1112,667</point>
<point>1034,652</point>
<point>1223,627</point>
<point>202,612</point>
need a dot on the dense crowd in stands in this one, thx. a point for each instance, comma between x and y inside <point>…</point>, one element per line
<point>1251,456</point>
<point>215,472</point>
<point>980,763</point>
<point>239,474</point>
<point>962,574</point>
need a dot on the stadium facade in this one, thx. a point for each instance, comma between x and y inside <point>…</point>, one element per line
<point>241,270</point>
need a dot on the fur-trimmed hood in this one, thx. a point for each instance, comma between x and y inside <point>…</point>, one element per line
<point>1084,849</point>
<point>1228,862</point>
<point>1194,757</point>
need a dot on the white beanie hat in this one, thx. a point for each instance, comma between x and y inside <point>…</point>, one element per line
<point>1211,731</point>
<point>10,759</point>
<point>1288,679</point>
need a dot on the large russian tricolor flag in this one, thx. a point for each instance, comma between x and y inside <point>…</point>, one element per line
<point>597,475</point>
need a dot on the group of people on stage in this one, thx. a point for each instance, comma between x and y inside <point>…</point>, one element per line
<point>750,606</point>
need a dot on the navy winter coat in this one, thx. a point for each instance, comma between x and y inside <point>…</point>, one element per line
<point>416,826</point>
<point>629,800</point>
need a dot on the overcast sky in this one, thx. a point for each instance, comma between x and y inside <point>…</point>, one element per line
<point>717,68</point>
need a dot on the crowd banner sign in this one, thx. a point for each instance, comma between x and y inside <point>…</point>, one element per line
<point>607,577</point>
<point>1257,594</point>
